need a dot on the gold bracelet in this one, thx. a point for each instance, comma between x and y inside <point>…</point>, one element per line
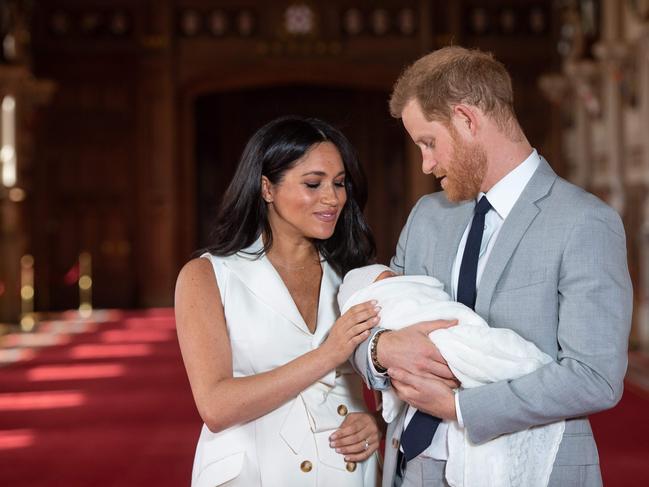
<point>373,353</point>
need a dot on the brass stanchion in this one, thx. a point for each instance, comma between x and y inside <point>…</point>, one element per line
<point>85,284</point>
<point>27,321</point>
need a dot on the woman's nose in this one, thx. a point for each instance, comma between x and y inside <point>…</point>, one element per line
<point>329,195</point>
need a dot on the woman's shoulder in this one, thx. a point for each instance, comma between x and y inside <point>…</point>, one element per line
<point>197,271</point>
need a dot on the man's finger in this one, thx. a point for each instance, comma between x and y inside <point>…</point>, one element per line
<point>439,370</point>
<point>405,378</point>
<point>404,391</point>
<point>428,326</point>
<point>452,383</point>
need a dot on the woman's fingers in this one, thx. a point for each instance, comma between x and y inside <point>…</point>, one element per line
<point>356,428</point>
<point>363,450</point>
<point>361,327</point>
<point>359,457</point>
<point>357,438</point>
<point>363,312</point>
<point>357,445</point>
<point>351,439</point>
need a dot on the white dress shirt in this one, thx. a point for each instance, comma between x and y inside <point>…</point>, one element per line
<point>502,196</point>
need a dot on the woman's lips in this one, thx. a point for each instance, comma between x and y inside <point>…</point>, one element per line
<point>326,216</point>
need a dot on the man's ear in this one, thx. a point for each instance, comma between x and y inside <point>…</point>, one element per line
<point>266,187</point>
<point>466,119</point>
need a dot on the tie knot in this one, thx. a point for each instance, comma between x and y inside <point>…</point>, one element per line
<point>483,206</point>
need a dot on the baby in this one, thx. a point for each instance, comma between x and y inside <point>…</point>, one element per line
<point>477,355</point>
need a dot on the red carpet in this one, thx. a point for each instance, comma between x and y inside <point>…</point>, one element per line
<point>109,408</point>
<point>112,407</point>
<point>622,435</point>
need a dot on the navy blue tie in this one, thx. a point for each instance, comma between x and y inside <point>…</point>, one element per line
<point>419,433</point>
<point>466,290</point>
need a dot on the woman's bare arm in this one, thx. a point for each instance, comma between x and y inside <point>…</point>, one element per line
<point>223,400</point>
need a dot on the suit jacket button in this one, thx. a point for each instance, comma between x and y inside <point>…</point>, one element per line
<point>350,466</point>
<point>395,443</point>
<point>342,410</point>
<point>306,466</point>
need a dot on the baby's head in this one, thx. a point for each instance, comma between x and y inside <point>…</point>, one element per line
<point>384,275</point>
<point>360,278</point>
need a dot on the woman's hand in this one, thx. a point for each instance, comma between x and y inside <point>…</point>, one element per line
<point>357,438</point>
<point>350,330</point>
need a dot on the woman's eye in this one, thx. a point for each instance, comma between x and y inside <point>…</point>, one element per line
<point>312,185</point>
<point>340,184</point>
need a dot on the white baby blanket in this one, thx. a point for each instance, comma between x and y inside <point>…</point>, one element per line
<point>477,355</point>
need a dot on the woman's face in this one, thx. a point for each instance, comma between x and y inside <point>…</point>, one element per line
<point>308,200</point>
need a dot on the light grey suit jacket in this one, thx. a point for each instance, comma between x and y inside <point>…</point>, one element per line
<point>558,276</point>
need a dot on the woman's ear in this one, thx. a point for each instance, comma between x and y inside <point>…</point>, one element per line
<point>266,187</point>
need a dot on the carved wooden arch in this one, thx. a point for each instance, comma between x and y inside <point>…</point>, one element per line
<point>257,76</point>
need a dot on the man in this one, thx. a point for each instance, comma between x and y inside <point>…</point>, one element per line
<point>527,250</point>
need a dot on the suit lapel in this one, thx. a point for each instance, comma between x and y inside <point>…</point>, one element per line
<point>453,226</point>
<point>514,227</point>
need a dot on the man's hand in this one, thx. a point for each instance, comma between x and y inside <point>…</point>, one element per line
<point>411,349</point>
<point>427,393</point>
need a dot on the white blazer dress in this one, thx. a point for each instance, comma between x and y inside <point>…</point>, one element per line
<point>290,445</point>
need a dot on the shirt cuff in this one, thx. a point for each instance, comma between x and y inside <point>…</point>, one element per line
<point>458,412</point>
<point>377,380</point>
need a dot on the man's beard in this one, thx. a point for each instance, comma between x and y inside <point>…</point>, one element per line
<point>465,171</point>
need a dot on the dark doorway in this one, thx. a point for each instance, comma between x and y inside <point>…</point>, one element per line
<point>225,121</point>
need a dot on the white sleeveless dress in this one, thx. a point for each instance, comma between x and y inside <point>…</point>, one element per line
<point>290,445</point>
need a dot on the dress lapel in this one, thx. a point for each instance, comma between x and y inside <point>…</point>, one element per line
<point>328,310</point>
<point>261,278</point>
<point>514,227</point>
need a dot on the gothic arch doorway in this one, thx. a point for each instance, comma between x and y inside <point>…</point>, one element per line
<point>224,120</point>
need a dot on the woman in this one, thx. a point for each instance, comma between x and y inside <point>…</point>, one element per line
<point>256,317</point>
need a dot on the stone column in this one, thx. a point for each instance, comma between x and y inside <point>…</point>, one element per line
<point>586,105</point>
<point>26,93</point>
<point>643,97</point>
<point>611,51</point>
<point>156,159</point>
<point>417,183</point>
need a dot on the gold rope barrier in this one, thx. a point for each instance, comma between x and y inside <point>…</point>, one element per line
<point>27,321</point>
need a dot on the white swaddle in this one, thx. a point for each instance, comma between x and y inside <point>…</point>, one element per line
<point>477,355</point>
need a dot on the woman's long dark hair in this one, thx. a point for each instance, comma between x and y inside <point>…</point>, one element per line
<point>271,151</point>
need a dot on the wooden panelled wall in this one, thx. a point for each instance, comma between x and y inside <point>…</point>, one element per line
<point>143,87</point>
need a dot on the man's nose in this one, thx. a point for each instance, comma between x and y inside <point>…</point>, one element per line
<point>428,164</point>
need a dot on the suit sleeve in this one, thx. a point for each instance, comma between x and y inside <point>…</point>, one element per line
<point>594,320</point>
<point>360,360</point>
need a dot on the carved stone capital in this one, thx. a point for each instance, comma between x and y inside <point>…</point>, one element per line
<point>555,87</point>
<point>616,51</point>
